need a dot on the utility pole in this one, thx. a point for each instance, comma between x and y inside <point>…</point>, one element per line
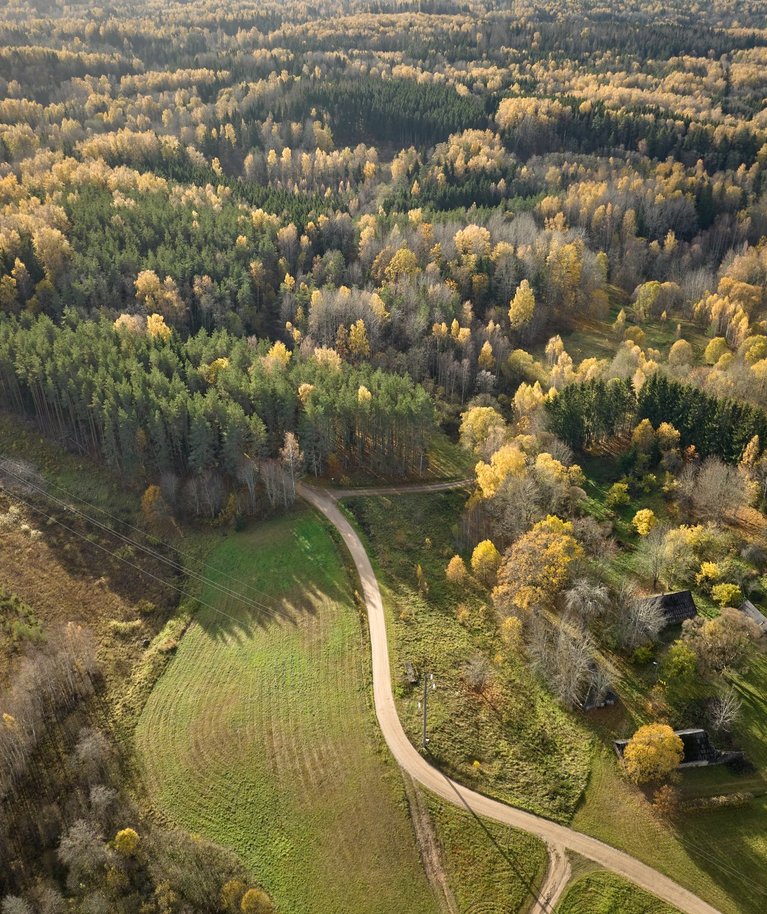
<point>426,680</point>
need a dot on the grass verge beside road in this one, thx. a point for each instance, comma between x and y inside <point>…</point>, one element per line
<point>603,893</point>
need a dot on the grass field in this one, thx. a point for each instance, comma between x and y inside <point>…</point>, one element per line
<point>491,869</point>
<point>512,742</point>
<point>260,735</point>
<point>591,337</point>
<point>603,893</point>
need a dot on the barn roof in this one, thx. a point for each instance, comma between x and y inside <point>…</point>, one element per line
<point>698,748</point>
<point>676,606</point>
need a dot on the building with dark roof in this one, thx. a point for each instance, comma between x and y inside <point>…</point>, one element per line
<point>754,615</point>
<point>676,606</point>
<point>698,749</point>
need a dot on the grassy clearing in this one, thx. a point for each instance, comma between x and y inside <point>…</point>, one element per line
<point>260,735</point>
<point>592,338</point>
<point>491,869</point>
<point>448,460</point>
<point>603,893</point>
<point>512,742</point>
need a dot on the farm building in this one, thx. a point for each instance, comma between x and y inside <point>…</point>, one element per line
<point>753,613</point>
<point>599,694</point>
<point>698,749</point>
<point>676,606</point>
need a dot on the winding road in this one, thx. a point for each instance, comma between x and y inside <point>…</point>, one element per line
<point>558,838</point>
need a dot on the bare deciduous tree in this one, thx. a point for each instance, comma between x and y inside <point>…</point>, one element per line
<point>91,751</point>
<point>651,555</point>
<point>720,490</point>
<point>49,900</point>
<point>478,673</point>
<point>82,848</point>
<point>586,599</point>
<point>639,621</point>
<point>102,798</point>
<point>563,659</point>
<point>292,460</point>
<point>724,710</point>
<point>12,904</point>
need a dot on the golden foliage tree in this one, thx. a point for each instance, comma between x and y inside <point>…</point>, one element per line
<point>127,842</point>
<point>522,306</point>
<point>506,461</point>
<point>485,561</point>
<point>644,521</point>
<point>537,567</point>
<point>456,570</point>
<point>652,753</point>
<point>478,425</point>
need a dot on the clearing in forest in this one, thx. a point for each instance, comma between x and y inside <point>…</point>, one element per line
<point>260,734</point>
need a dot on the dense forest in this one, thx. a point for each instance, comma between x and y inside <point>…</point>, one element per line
<point>241,244</point>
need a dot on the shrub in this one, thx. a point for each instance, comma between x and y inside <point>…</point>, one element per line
<point>617,495</point>
<point>456,570</point>
<point>254,901</point>
<point>642,655</point>
<point>727,595</point>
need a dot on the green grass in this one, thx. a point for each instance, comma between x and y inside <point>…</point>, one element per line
<point>592,338</point>
<point>260,734</point>
<point>603,893</point>
<point>448,460</point>
<point>492,869</point>
<point>718,854</point>
<point>512,742</point>
<point>79,476</point>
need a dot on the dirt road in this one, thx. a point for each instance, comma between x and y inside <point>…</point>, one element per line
<point>557,837</point>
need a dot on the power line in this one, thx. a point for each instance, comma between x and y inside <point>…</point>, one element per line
<point>253,604</point>
<point>108,514</point>
<point>175,566</point>
<point>247,584</point>
<point>144,571</point>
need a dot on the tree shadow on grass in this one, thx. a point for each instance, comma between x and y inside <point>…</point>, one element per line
<point>240,615</point>
<point>729,845</point>
<point>522,873</point>
<point>278,574</point>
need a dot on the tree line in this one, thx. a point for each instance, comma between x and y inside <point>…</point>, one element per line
<point>214,406</point>
<point>589,413</point>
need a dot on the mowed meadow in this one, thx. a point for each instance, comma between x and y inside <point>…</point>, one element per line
<point>260,735</point>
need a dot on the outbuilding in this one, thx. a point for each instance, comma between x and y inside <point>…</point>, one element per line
<point>676,606</point>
